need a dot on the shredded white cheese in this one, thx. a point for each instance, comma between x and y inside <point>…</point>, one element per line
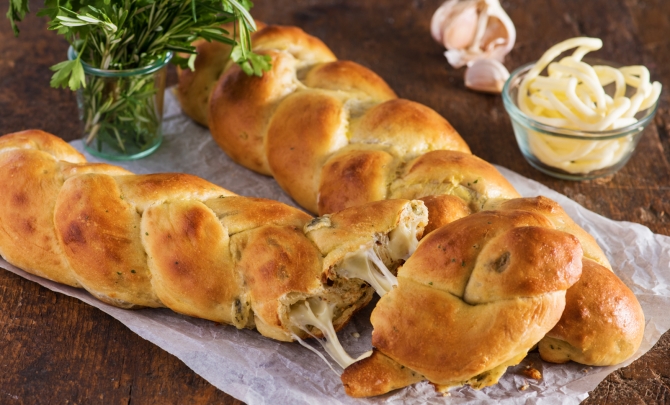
<point>572,96</point>
<point>319,314</point>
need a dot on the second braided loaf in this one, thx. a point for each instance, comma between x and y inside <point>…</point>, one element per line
<point>334,135</point>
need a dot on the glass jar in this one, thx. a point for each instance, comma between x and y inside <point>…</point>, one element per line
<point>121,111</point>
<point>567,153</point>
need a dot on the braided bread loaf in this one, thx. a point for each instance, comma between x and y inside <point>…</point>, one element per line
<point>177,241</point>
<point>333,133</point>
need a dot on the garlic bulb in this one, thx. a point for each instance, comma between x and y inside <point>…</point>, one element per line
<point>472,30</point>
<point>486,75</point>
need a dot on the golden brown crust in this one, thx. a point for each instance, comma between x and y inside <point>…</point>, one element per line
<point>354,177</point>
<point>27,209</point>
<point>443,210</point>
<point>377,375</point>
<point>276,261</point>
<point>410,128</point>
<point>294,41</point>
<point>560,220</point>
<point>148,189</point>
<point>602,325</point>
<point>26,214</point>
<point>454,342</point>
<point>524,262</point>
<point>299,140</point>
<point>191,265</point>
<point>241,106</point>
<point>453,173</point>
<point>313,122</point>
<point>36,139</point>
<point>238,214</point>
<point>195,86</point>
<point>451,252</point>
<point>237,117</point>
<point>350,77</point>
<point>99,233</point>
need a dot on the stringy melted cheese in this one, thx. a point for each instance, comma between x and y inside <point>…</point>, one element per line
<point>403,241</point>
<point>366,265</point>
<point>319,314</point>
<point>369,267</point>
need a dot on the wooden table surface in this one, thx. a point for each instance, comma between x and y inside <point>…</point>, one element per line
<point>55,349</point>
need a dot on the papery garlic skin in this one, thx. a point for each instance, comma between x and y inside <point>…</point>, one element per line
<point>486,75</point>
<point>473,30</point>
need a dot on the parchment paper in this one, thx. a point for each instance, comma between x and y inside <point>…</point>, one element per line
<point>258,370</point>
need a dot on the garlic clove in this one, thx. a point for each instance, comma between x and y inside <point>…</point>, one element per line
<point>495,34</point>
<point>500,26</point>
<point>486,75</point>
<point>460,33</point>
<point>473,29</point>
<point>441,19</point>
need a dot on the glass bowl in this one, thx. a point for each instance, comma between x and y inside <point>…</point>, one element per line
<point>570,154</point>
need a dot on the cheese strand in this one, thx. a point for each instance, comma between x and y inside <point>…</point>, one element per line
<point>319,314</point>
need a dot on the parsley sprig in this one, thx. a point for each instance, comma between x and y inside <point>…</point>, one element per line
<point>126,34</point>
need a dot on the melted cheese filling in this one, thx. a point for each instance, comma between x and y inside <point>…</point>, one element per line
<point>369,267</point>
<point>319,314</point>
<point>403,241</point>
<point>366,265</point>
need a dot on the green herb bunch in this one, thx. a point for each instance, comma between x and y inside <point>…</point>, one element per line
<point>125,112</point>
<point>126,34</point>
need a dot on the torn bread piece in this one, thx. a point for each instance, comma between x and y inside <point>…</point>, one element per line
<point>373,260</point>
<point>380,236</point>
<point>367,264</point>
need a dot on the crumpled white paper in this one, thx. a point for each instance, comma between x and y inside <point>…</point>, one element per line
<point>258,370</point>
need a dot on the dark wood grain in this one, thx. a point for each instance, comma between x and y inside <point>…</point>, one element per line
<point>55,349</point>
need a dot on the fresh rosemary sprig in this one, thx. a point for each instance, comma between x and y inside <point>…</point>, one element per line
<point>126,34</point>
<point>123,112</point>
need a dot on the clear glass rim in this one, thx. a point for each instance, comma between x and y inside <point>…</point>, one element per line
<point>517,115</point>
<point>157,65</point>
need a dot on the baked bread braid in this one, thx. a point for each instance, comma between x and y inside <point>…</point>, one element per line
<point>177,241</point>
<point>334,135</point>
